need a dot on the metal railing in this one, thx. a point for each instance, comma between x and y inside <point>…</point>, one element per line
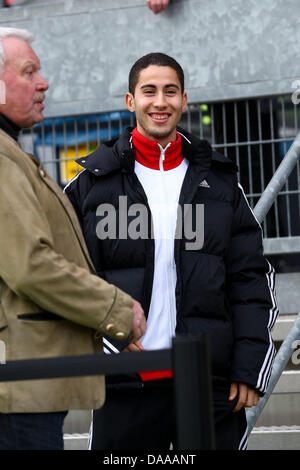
<point>263,206</point>
<point>278,180</point>
<point>281,359</point>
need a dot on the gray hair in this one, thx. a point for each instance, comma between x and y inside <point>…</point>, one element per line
<point>12,32</point>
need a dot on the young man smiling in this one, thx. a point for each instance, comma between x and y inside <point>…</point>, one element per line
<point>223,288</point>
<point>158,102</point>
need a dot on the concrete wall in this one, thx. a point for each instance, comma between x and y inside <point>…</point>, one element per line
<point>228,48</point>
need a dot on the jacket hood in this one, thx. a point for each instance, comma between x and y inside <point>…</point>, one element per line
<point>118,154</point>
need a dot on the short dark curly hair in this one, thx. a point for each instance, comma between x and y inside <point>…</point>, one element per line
<point>153,58</point>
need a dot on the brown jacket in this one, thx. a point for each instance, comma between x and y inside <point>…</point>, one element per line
<point>51,302</point>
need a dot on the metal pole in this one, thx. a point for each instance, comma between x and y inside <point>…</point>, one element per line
<point>79,366</point>
<point>261,209</point>
<point>280,362</point>
<point>193,393</point>
<point>277,181</point>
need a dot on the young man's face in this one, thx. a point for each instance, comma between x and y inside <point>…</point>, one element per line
<point>158,103</point>
<point>24,86</point>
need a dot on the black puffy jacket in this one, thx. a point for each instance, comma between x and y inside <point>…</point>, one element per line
<point>225,289</point>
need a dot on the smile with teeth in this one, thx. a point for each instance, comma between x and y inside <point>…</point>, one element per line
<point>159,117</point>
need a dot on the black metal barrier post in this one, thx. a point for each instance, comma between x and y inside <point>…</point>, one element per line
<point>188,358</point>
<point>79,366</point>
<point>193,393</point>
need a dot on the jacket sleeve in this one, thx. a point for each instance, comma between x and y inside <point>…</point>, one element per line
<point>35,271</point>
<point>251,295</point>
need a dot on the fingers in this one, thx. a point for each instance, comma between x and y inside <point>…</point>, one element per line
<point>233,391</point>
<point>252,398</point>
<point>248,397</point>
<point>157,5</point>
<point>242,397</point>
<point>136,346</point>
<point>139,322</point>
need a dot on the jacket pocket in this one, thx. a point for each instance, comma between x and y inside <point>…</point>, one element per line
<point>42,316</point>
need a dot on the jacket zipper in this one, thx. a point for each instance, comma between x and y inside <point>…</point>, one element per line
<point>170,255</point>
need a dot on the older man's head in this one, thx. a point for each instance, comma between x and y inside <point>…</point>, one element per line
<point>20,77</point>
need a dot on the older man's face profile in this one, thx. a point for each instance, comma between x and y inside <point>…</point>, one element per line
<point>24,86</point>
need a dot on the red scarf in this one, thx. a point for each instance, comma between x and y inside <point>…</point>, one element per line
<point>147,152</point>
